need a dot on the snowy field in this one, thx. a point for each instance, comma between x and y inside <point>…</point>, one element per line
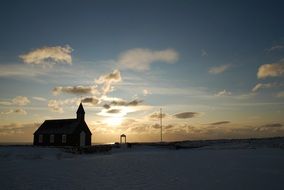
<point>143,167</point>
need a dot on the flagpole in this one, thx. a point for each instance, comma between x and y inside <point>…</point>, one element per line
<point>161,124</point>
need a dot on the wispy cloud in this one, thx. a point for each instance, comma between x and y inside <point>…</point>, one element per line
<point>275,48</point>
<point>219,69</point>
<point>16,111</point>
<point>19,101</point>
<point>57,105</point>
<point>124,103</point>
<point>265,86</point>
<point>41,99</point>
<point>91,100</point>
<point>113,111</point>
<point>140,59</point>
<point>121,111</point>
<point>48,55</point>
<point>224,93</point>
<point>157,115</point>
<point>146,92</point>
<point>269,127</point>
<point>219,123</point>
<point>100,89</point>
<point>106,106</point>
<point>182,115</point>
<point>271,70</point>
<point>245,96</point>
<point>75,90</point>
<point>110,99</point>
<point>15,128</point>
<point>186,115</point>
<point>109,79</point>
<point>19,70</point>
<point>119,108</point>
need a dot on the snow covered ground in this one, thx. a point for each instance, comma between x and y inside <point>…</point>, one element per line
<point>142,167</point>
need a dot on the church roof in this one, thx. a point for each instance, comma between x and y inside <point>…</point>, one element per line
<point>63,126</point>
<point>58,126</point>
<point>80,109</point>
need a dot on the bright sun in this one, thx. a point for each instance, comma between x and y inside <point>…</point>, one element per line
<point>114,121</point>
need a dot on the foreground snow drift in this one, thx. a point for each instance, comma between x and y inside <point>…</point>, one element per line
<point>142,168</point>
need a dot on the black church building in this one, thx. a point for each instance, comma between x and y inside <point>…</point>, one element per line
<point>64,132</point>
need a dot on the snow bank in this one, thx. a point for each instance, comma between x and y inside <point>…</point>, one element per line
<point>142,167</point>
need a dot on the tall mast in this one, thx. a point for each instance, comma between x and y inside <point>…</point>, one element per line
<point>161,124</point>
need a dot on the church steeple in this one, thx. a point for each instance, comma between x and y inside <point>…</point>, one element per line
<point>81,113</point>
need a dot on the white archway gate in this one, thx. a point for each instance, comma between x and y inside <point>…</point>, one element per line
<point>121,137</point>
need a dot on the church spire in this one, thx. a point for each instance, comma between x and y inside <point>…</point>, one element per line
<point>81,112</point>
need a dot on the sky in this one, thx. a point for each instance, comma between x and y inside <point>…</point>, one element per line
<point>215,68</point>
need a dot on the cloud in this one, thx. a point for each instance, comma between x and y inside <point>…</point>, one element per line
<point>269,126</point>
<point>15,128</point>
<point>109,79</point>
<point>104,81</point>
<point>183,115</point>
<point>140,59</point>
<point>223,93</point>
<point>184,131</point>
<point>20,70</point>
<point>41,99</point>
<point>106,106</point>
<point>186,115</point>
<point>91,100</point>
<point>140,129</point>
<point>265,85</point>
<point>48,55</point>
<point>19,101</point>
<point>20,111</point>
<point>125,107</point>
<point>75,90</point>
<point>110,99</point>
<point>219,123</point>
<point>280,94</point>
<point>114,111</point>
<point>55,106</point>
<point>146,92</point>
<point>156,126</point>
<point>16,111</point>
<point>157,115</point>
<point>275,48</point>
<point>219,69</point>
<point>271,70</point>
<point>10,129</point>
<point>178,129</point>
<point>245,96</point>
<point>5,103</point>
<point>125,103</point>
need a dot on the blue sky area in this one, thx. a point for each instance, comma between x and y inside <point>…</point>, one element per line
<point>216,68</point>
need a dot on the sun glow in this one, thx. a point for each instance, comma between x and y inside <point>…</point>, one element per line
<point>114,121</point>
